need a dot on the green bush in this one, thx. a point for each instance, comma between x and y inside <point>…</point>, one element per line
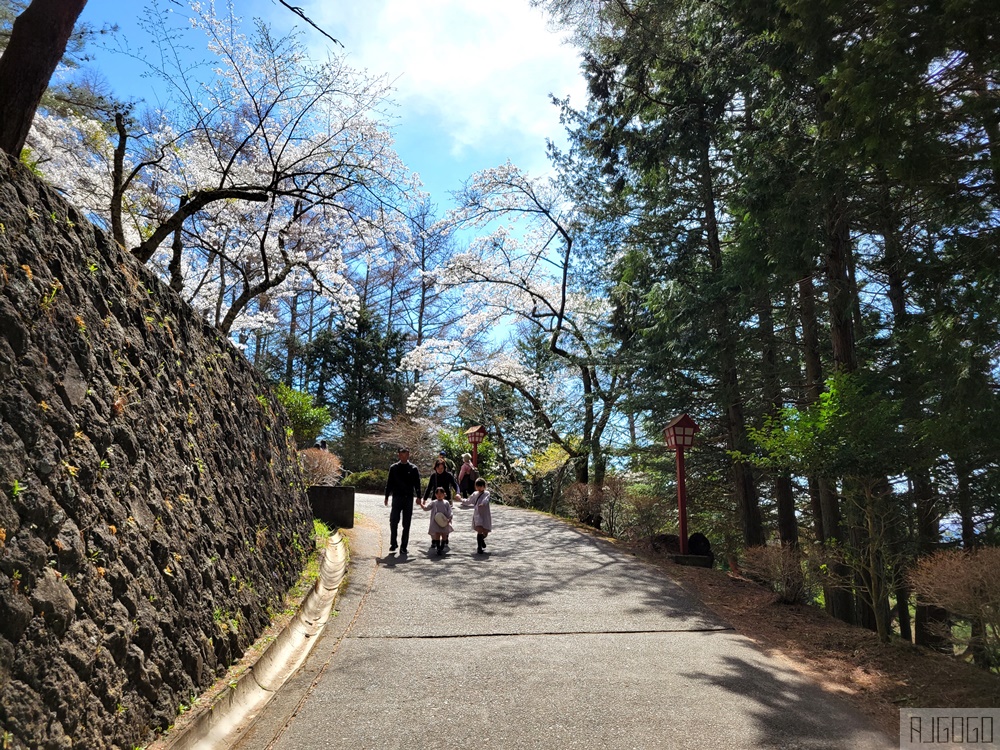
<point>372,480</point>
<point>308,420</point>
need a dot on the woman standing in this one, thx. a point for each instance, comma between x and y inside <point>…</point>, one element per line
<point>443,478</point>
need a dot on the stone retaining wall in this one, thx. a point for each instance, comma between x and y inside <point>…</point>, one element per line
<point>151,508</point>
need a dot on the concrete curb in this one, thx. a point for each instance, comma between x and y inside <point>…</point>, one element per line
<point>214,726</point>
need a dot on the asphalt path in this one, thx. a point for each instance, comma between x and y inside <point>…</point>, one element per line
<point>554,639</point>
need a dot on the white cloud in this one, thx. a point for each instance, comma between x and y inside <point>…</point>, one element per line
<point>479,70</point>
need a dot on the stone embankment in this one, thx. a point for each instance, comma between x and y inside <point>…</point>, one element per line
<point>151,508</point>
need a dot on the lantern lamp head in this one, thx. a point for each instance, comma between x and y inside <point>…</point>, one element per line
<point>680,432</point>
<point>476,434</point>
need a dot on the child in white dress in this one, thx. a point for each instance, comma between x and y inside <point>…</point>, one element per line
<point>440,510</point>
<point>482,519</point>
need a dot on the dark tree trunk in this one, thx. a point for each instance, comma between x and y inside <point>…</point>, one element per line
<point>591,515</point>
<point>965,506</point>
<point>895,270</point>
<point>903,612</point>
<point>744,483</point>
<point>118,182</point>
<point>37,42</point>
<point>177,249</point>
<point>293,317</point>
<point>840,291</point>
<point>841,296</point>
<point>930,620</point>
<point>826,504</point>
<point>788,526</point>
<point>977,643</point>
<point>814,386</point>
<point>863,581</point>
<point>839,601</point>
<point>817,510</point>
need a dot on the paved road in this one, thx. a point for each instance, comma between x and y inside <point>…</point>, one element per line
<point>552,640</point>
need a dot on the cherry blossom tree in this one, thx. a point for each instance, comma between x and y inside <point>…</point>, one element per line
<point>520,272</point>
<point>251,183</point>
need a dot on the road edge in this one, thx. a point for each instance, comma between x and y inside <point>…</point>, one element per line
<point>215,725</point>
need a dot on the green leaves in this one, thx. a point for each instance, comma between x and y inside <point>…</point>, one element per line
<point>852,430</point>
<point>308,420</point>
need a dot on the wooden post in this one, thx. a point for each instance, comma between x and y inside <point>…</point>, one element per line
<point>682,501</point>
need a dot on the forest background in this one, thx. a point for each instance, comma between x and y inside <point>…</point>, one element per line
<point>779,217</point>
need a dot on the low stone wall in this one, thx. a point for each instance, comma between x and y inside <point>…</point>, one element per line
<point>151,509</point>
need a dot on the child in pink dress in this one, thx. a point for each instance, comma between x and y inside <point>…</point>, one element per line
<point>439,509</point>
<point>482,518</point>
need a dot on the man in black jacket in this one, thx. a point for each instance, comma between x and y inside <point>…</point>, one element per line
<point>403,485</point>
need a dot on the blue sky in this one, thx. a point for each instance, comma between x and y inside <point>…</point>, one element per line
<point>472,77</point>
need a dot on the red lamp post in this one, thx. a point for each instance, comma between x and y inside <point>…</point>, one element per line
<point>679,434</point>
<point>475,436</point>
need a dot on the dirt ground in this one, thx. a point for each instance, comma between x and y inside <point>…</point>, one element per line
<point>879,679</point>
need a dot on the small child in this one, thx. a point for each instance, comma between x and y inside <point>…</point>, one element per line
<point>439,507</point>
<point>482,519</point>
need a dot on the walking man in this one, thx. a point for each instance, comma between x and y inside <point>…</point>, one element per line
<point>403,485</point>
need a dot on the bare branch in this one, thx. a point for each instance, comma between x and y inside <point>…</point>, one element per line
<point>302,14</point>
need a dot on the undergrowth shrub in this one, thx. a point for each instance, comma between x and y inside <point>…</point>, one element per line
<point>780,568</point>
<point>319,467</point>
<point>509,493</point>
<point>372,480</point>
<point>585,505</point>
<point>967,584</point>
<point>643,515</point>
<point>615,498</point>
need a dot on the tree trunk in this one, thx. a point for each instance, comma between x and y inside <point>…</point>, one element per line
<point>37,43</point>
<point>118,182</point>
<point>557,490</point>
<point>903,612</point>
<point>977,642</point>
<point>220,297</point>
<point>827,520</point>
<point>817,510</point>
<point>841,300</point>
<point>893,260</point>
<point>930,620</point>
<point>840,292</point>
<point>814,386</point>
<point>744,484</point>
<point>293,319</point>
<point>177,249</point>
<point>969,540</point>
<point>784,496</point>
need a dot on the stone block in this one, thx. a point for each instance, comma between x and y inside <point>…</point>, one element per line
<point>698,561</point>
<point>334,506</point>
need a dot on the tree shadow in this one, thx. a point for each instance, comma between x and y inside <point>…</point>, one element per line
<point>789,711</point>
<point>542,564</point>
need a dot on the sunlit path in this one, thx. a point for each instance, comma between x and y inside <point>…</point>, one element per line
<point>553,640</point>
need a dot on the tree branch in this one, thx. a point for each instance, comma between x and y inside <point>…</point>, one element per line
<point>302,14</point>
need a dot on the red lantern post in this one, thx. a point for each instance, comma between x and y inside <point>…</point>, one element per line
<point>475,436</point>
<point>679,434</point>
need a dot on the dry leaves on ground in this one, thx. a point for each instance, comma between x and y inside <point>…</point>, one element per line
<point>877,678</point>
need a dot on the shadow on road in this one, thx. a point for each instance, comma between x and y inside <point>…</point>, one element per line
<point>539,563</point>
<point>788,710</point>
